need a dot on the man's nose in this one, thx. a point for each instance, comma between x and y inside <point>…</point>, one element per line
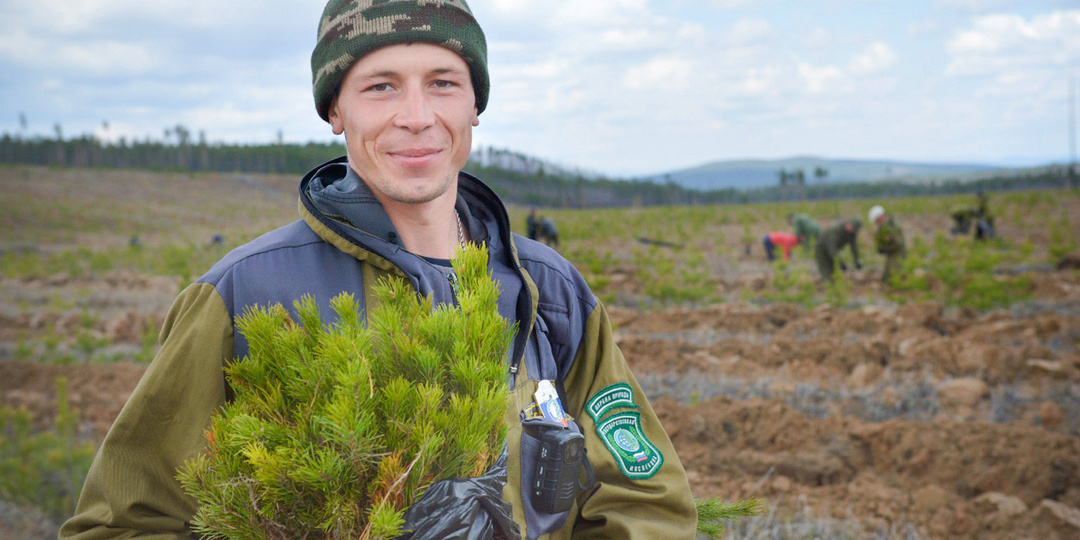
<point>416,113</point>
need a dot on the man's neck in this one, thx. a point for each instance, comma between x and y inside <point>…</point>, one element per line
<point>428,229</point>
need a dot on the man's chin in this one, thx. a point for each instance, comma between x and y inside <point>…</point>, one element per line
<point>419,190</point>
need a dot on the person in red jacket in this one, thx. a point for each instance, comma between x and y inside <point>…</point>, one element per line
<point>784,240</point>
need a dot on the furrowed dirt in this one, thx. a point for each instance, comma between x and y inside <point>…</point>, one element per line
<point>783,402</point>
<point>906,418</point>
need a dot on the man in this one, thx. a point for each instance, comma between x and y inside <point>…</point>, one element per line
<point>984,220</point>
<point>405,81</point>
<point>785,240</point>
<point>962,215</point>
<point>549,233</point>
<point>806,229</point>
<point>888,239</point>
<point>532,225</point>
<point>833,239</point>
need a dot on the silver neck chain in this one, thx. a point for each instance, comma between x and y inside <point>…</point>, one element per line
<point>460,229</point>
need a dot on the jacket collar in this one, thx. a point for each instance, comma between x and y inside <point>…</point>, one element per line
<point>339,206</point>
<point>337,192</point>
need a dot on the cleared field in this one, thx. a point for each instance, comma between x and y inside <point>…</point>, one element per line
<point>946,405</point>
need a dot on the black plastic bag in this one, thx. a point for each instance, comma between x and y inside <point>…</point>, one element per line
<point>464,509</point>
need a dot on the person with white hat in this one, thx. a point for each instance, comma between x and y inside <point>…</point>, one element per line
<point>888,239</point>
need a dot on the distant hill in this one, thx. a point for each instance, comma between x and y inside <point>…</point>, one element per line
<point>754,173</point>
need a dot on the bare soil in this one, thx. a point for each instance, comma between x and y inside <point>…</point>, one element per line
<point>951,423</point>
<point>847,411</point>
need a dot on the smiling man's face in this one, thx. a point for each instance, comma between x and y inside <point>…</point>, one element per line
<point>407,112</point>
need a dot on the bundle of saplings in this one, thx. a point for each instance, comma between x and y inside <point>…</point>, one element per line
<point>335,430</point>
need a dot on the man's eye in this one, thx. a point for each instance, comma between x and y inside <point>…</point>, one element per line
<point>381,87</point>
<point>443,84</point>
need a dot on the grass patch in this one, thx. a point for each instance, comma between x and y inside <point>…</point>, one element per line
<point>45,470</point>
<point>960,272</point>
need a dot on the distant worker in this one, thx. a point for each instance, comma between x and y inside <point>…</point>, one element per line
<point>833,239</point>
<point>784,240</point>
<point>984,220</point>
<point>982,207</point>
<point>532,224</point>
<point>978,215</point>
<point>806,229</point>
<point>549,234</point>
<point>962,216</point>
<point>889,241</point>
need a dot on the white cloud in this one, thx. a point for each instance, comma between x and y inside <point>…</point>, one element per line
<point>134,38</point>
<point>974,6</point>
<point>759,81</point>
<point>632,39</point>
<point>547,69</point>
<point>730,4</point>
<point>748,32</point>
<point>925,28</point>
<point>817,37</point>
<point>819,79</point>
<point>664,73</point>
<point>512,15</point>
<point>600,13</point>
<point>1005,42</point>
<point>87,58</point>
<point>877,57</point>
<point>65,17</point>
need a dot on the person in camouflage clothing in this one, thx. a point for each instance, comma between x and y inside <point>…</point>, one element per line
<point>962,215</point>
<point>984,220</point>
<point>979,215</point>
<point>833,239</point>
<point>405,81</point>
<point>806,229</point>
<point>889,241</point>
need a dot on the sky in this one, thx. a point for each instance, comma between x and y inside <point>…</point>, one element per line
<point>617,87</point>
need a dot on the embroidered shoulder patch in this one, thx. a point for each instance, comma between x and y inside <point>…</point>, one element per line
<point>614,396</point>
<point>637,457</point>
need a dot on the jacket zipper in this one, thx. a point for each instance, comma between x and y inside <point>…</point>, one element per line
<point>452,278</point>
<point>504,226</point>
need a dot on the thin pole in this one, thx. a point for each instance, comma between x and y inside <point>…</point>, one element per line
<point>1072,132</point>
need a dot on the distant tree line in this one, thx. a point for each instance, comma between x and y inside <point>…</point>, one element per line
<point>1042,178</point>
<point>578,191</point>
<point>581,192</point>
<point>516,177</point>
<point>178,151</point>
<point>798,178</point>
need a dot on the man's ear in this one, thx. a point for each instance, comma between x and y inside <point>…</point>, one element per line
<point>475,117</point>
<point>336,123</point>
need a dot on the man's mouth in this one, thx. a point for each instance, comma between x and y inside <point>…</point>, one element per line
<point>415,157</point>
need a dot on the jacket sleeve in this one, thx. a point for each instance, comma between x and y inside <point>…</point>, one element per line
<point>131,489</point>
<point>636,504</point>
<point>889,238</point>
<point>855,248</point>
<point>831,244</point>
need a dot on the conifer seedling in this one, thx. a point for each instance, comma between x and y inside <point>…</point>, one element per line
<point>335,430</point>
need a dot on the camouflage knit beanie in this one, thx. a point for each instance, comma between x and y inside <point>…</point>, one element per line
<point>349,29</point>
